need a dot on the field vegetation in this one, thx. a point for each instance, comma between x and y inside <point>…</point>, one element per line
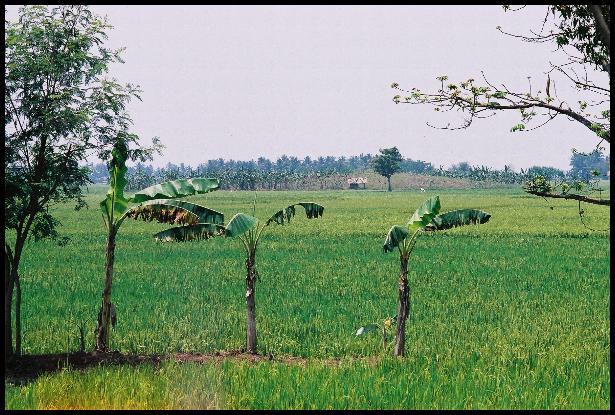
<point>510,314</point>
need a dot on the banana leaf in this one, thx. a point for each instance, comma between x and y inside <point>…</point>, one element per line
<point>190,232</point>
<point>424,214</point>
<point>174,212</point>
<point>395,236</point>
<point>456,218</point>
<point>176,188</point>
<point>240,224</point>
<point>115,204</point>
<point>312,210</point>
<point>366,329</point>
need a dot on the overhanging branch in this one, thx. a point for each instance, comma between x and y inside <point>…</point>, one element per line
<point>572,196</point>
<point>601,25</point>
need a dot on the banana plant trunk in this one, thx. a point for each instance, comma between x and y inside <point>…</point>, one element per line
<point>104,316</point>
<point>250,303</point>
<point>403,307</point>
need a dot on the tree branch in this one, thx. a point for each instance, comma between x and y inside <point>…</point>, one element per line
<point>603,28</point>
<point>521,102</point>
<point>604,202</point>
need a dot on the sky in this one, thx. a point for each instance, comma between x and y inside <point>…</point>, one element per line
<point>240,82</point>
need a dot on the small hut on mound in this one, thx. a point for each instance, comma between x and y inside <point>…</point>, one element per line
<point>355,182</point>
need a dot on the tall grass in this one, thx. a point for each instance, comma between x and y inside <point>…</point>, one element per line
<point>418,382</point>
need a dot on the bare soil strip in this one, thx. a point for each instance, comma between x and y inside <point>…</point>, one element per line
<point>27,368</point>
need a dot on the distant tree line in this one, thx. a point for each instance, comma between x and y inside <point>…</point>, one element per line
<point>584,166</point>
<point>285,173</point>
<point>292,173</point>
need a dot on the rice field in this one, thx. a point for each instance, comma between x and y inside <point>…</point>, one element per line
<point>510,314</point>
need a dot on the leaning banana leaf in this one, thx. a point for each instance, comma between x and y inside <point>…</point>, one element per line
<point>395,236</point>
<point>176,188</point>
<point>456,218</point>
<point>190,232</point>
<point>424,214</point>
<point>115,204</point>
<point>240,224</point>
<point>366,329</point>
<point>174,212</point>
<point>312,210</point>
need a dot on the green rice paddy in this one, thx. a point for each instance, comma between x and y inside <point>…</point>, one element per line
<point>510,314</point>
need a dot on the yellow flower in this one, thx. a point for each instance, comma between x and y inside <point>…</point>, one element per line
<point>387,323</point>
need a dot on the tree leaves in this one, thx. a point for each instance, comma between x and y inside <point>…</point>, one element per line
<point>517,127</point>
<point>387,162</point>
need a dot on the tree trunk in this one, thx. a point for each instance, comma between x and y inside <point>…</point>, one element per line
<point>9,283</point>
<point>11,280</point>
<point>403,308</point>
<point>8,297</point>
<point>104,316</point>
<point>250,303</point>
<point>17,316</point>
<point>389,182</point>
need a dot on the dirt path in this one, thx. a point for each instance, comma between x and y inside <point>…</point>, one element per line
<point>27,368</point>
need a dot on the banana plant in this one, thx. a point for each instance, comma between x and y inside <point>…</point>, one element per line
<point>248,229</point>
<point>425,219</point>
<point>387,324</point>
<point>152,204</point>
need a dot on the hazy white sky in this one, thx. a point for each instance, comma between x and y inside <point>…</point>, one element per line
<point>247,81</point>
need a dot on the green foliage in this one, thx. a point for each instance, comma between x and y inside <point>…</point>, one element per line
<point>58,108</point>
<point>185,233</point>
<point>387,162</point>
<point>312,210</point>
<point>499,94</point>
<point>176,188</point>
<point>582,164</point>
<point>396,235</point>
<point>457,218</point>
<point>115,204</point>
<point>538,184</point>
<point>577,27</point>
<point>492,302</point>
<point>518,127</point>
<point>175,212</point>
<point>549,173</point>
<point>426,218</point>
<point>424,214</point>
<point>237,226</point>
<point>240,224</point>
<point>427,381</point>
